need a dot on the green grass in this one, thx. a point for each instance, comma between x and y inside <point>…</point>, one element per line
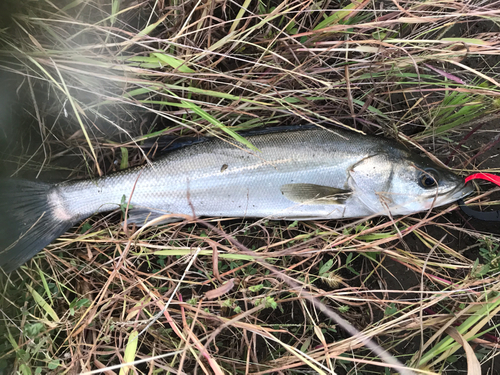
<point>98,78</point>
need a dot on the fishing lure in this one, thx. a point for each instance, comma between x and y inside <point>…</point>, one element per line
<point>484,216</point>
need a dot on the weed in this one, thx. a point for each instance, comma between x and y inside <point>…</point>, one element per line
<point>99,81</point>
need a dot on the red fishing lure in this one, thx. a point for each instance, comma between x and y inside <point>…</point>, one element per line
<point>484,176</point>
<point>485,216</point>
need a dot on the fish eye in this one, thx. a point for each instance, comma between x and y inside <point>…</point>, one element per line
<point>427,178</point>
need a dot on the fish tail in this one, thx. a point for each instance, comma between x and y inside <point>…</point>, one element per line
<point>31,217</point>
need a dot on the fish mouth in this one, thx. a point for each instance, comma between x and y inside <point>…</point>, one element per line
<point>461,192</point>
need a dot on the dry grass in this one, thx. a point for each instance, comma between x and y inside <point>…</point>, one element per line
<point>100,78</point>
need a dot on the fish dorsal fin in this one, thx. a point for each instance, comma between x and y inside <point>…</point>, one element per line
<point>315,194</point>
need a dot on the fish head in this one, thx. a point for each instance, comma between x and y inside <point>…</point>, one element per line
<point>398,182</point>
<point>418,184</point>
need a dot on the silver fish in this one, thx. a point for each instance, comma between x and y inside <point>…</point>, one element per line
<point>303,174</point>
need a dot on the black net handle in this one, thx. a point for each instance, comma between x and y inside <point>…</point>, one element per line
<point>485,216</point>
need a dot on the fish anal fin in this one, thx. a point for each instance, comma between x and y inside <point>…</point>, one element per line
<point>315,194</point>
<point>141,216</point>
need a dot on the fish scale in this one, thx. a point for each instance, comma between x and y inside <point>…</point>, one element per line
<point>223,180</point>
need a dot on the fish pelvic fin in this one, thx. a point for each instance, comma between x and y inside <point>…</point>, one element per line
<point>31,217</point>
<point>315,194</point>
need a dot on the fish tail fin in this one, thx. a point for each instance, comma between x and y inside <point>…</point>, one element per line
<point>29,221</point>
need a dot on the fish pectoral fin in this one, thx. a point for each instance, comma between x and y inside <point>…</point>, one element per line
<point>140,216</point>
<point>315,194</point>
